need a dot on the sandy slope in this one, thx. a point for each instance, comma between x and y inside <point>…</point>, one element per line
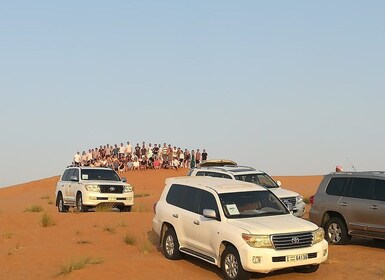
<point>30,251</point>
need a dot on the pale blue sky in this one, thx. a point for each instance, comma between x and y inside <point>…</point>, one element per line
<point>290,87</point>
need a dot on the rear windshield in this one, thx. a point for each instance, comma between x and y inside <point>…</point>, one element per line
<point>261,179</point>
<point>99,174</point>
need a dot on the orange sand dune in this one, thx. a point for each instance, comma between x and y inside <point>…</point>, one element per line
<point>30,251</point>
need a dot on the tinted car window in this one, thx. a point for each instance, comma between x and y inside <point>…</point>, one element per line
<point>207,201</point>
<point>360,188</point>
<point>76,173</point>
<point>65,175</point>
<point>336,186</point>
<point>184,197</point>
<point>379,190</point>
<point>190,200</point>
<point>174,194</point>
<point>218,175</point>
<point>201,173</point>
<point>68,173</point>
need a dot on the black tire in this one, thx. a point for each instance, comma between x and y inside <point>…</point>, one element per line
<point>306,268</point>
<point>170,245</point>
<point>79,204</point>
<point>60,204</point>
<point>336,232</point>
<point>231,265</point>
<point>125,208</point>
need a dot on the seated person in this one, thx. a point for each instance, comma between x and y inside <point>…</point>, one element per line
<point>157,163</point>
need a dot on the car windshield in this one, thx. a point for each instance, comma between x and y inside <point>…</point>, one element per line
<point>251,204</point>
<point>100,174</point>
<point>261,179</point>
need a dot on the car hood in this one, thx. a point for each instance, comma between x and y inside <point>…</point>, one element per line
<point>281,193</point>
<point>273,224</point>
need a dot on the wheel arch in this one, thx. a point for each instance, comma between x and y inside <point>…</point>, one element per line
<point>332,214</point>
<point>164,228</point>
<point>222,247</point>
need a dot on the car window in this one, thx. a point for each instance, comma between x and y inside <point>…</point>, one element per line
<point>201,173</point>
<point>260,179</point>
<point>65,175</point>
<point>336,186</point>
<point>218,175</point>
<point>68,173</point>
<point>76,173</point>
<point>184,197</point>
<point>360,188</point>
<point>379,190</point>
<point>207,201</point>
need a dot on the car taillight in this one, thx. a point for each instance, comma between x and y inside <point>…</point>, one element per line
<point>312,200</point>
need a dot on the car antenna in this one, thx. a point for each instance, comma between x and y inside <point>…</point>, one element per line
<point>352,165</point>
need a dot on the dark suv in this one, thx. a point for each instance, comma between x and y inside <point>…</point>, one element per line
<point>350,204</point>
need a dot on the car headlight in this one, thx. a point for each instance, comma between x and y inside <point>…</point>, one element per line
<point>92,188</point>
<point>318,235</point>
<point>298,199</point>
<point>257,241</point>
<point>127,188</point>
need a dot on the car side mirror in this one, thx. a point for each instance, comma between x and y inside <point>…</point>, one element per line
<point>74,179</point>
<point>123,179</point>
<point>279,183</point>
<point>210,214</point>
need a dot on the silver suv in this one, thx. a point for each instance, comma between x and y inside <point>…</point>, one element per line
<point>293,200</point>
<point>86,187</point>
<point>350,204</point>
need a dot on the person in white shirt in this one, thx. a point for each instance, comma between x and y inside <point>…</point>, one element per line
<point>128,149</point>
<point>77,158</point>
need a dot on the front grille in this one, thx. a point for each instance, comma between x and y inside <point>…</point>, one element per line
<point>288,200</point>
<point>292,240</point>
<point>111,189</point>
<point>283,258</point>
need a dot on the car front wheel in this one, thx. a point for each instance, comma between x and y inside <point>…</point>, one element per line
<point>60,204</point>
<point>79,204</point>
<point>170,245</point>
<point>231,265</point>
<point>336,231</point>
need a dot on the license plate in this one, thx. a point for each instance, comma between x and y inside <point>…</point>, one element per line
<point>296,258</point>
<point>112,198</point>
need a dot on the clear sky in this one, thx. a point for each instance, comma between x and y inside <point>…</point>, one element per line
<point>290,87</point>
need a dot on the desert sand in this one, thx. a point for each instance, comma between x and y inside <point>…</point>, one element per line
<point>30,251</point>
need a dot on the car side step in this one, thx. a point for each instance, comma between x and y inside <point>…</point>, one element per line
<point>197,254</point>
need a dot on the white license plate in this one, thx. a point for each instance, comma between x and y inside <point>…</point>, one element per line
<point>296,258</point>
<point>112,198</point>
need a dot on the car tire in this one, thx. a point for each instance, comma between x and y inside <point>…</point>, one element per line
<point>125,208</point>
<point>306,268</point>
<point>231,265</point>
<point>60,204</point>
<point>79,204</point>
<point>336,232</point>
<point>170,245</point>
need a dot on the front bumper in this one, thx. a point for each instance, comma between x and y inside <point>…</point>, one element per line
<point>265,260</point>
<point>93,199</point>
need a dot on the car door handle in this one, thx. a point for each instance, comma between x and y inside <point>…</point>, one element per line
<point>374,207</point>
<point>175,215</point>
<point>343,204</point>
<point>196,222</point>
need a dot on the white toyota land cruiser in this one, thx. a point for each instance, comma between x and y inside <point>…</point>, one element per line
<point>86,187</point>
<point>237,226</point>
<point>292,200</point>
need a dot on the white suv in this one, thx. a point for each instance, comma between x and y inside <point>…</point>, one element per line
<point>86,187</point>
<point>292,200</point>
<point>237,226</point>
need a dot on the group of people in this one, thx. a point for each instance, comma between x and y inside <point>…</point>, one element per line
<point>126,157</point>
